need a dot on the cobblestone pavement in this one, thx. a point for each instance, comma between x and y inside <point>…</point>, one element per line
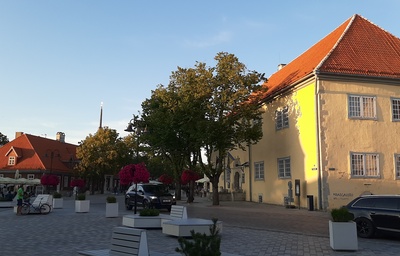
<point>250,229</point>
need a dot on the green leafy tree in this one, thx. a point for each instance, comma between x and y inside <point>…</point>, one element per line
<point>100,154</point>
<point>3,139</point>
<point>204,109</point>
<point>232,114</point>
<point>162,115</point>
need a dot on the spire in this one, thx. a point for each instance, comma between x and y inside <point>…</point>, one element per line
<point>101,115</point>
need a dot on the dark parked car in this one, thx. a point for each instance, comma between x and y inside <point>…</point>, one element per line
<point>376,212</point>
<point>149,195</point>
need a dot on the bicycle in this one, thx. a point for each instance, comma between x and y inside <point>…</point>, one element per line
<point>42,208</point>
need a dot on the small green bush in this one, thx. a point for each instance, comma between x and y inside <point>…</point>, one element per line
<point>111,199</point>
<point>341,215</point>
<point>81,197</point>
<point>57,195</point>
<point>149,212</point>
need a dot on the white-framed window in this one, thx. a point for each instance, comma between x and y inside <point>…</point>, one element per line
<point>31,176</point>
<point>282,118</point>
<point>364,164</point>
<point>397,165</point>
<point>395,109</point>
<point>362,107</point>
<point>11,160</point>
<point>259,170</point>
<point>284,167</point>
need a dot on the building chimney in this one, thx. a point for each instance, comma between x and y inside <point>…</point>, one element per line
<point>17,134</point>
<point>60,136</point>
<point>280,66</point>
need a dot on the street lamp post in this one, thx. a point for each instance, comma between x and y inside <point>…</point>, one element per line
<point>135,126</point>
<point>52,154</point>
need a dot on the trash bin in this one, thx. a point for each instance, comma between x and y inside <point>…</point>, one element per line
<point>310,202</point>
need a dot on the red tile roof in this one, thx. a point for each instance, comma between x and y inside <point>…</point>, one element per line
<point>356,47</point>
<point>36,153</point>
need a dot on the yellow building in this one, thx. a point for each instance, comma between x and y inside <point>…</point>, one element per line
<point>331,122</point>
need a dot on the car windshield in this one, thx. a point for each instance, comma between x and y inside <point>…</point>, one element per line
<point>155,189</point>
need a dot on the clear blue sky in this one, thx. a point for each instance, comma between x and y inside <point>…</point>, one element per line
<point>60,59</point>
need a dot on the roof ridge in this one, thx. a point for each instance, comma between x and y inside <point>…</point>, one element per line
<point>351,22</point>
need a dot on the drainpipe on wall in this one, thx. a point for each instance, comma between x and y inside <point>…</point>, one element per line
<point>319,164</point>
<point>250,171</point>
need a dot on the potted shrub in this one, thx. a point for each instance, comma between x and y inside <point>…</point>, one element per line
<point>57,200</point>
<point>343,230</point>
<point>81,204</point>
<point>149,212</point>
<point>111,207</point>
<point>147,218</point>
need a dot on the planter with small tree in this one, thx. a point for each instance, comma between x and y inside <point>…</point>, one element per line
<point>81,204</point>
<point>111,207</point>
<point>58,201</point>
<point>343,230</point>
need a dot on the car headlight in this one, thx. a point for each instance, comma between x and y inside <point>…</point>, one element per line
<point>153,197</point>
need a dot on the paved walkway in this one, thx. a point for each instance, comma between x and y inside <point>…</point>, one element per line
<point>250,229</point>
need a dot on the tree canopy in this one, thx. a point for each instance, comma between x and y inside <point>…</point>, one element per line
<point>3,139</point>
<point>204,109</point>
<point>102,153</point>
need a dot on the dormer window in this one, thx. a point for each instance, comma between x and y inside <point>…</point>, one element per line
<point>11,160</point>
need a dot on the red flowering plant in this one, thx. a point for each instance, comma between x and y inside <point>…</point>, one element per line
<point>188,176</point>
<point>135,173</point>
<point>49,180</point>
<point>77,183</point>
<point>141,174</point>
<point>165,179</point>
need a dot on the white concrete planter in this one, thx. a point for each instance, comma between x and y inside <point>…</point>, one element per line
<point>111,210</point>
<point>82,205</point>
<point>137,221</point>
<point>343,235</point>
<point>58,203</point>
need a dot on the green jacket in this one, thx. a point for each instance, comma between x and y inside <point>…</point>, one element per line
<point>20,193</point>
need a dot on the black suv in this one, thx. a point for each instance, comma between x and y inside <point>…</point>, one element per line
<point>376,212</point>
<point>149,195</point>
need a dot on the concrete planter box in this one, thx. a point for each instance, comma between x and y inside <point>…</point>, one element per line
<point>82,205</point>
<point>111,210</point>
<point>137,221</point>
<point>58,203</point>
<point>343,236</point>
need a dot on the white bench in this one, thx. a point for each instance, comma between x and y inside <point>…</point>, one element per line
<point>125,241</point>
<point>183,227</point>
<point>177,212</point>
<point>137,221</point>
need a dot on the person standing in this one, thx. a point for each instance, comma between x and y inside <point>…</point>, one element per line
<point>20,197</point>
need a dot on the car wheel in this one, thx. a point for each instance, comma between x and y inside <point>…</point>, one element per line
<point>146,204</point>
<point>365,228</point>
<point>128,206</point>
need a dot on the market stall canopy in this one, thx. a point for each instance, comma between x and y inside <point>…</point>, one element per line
<point>23,181</point>
<point>6,180</point>
<point>202,180</point>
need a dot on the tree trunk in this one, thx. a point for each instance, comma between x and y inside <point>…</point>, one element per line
<point>191,192</point>
<point>215,195</point>
<point>178,191</point>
